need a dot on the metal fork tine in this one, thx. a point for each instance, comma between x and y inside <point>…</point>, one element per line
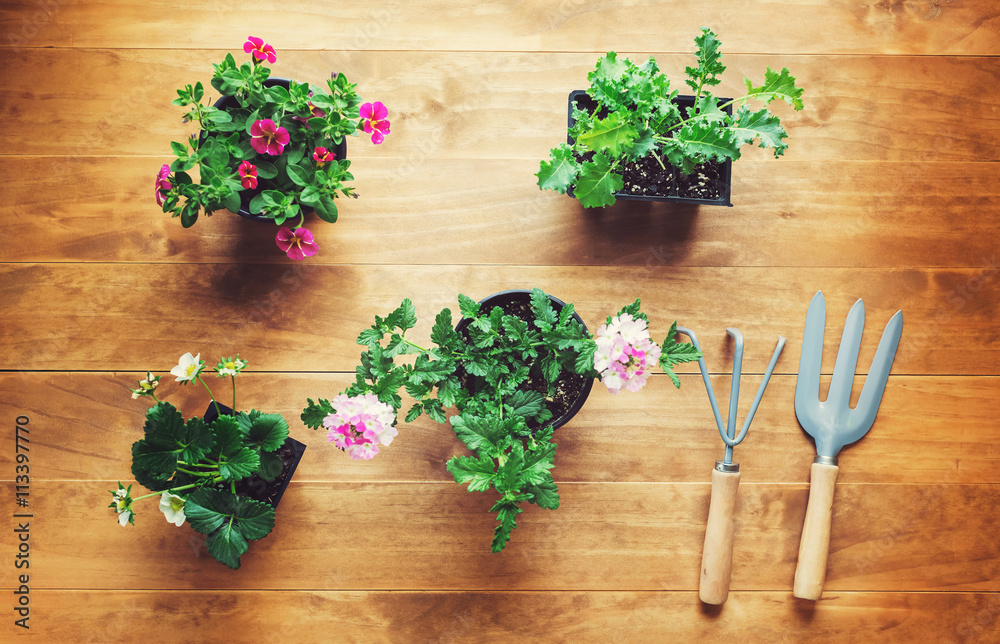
<point>847,358</point>
<point>807,386</point>
<point>878,374</point>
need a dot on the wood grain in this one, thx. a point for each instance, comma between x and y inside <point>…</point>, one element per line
<point>580,616</point>
<point>306,317</point>
<point>574,25</point>
<point>475,105</point>
<point>788,213</point>
<point>608,536</point>
<point>84,425</point>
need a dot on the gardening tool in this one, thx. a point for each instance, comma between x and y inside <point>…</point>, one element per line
<point>717,556</point>
<point>833,424</point>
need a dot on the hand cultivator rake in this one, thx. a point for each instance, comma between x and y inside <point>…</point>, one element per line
<point>717,556</point>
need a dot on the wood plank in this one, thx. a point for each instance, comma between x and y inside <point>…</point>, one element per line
<point>306,317</point>
<point>58,209</point>
<point>576,25</point>
<point>484,105</point>
<point>608,536</point>
<point>84,424</point>
<point>585,616</point>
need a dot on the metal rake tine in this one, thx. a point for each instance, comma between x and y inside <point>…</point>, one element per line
<point>811,359</point>
<point>878,374</point>
<point>839,396</point>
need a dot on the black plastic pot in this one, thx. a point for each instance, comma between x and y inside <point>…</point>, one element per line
<point>246,196</point>
<point>255,482</point>
<point>584,102</point>
<point>520,295</point>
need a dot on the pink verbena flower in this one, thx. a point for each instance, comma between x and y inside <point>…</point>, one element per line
<point>297,244</point>
<point>322,156</point>
<point>162,183</point>
<point>248,175</point>
<point>267,137</point>
<point>625,353</point>
<point>374,123</point>
<point>359,424</point>
<point>259,49</point>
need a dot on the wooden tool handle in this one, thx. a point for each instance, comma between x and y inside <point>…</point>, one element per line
<point>815,544</point>
<point>717,557</point>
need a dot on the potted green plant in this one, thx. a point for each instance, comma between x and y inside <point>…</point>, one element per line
<point>269,149</point>
<point>633,137</point>
<point>504,369</point>
<point>224,474</point>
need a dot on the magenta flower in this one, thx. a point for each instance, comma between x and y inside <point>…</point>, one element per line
<point>359,424</point>
<point>268,138</point>
<point>322,156</point>
<point>162,183</point>
<point>248,175</point>
<point>297,244</point>
<point>260,49</point>
<point>374,121</point>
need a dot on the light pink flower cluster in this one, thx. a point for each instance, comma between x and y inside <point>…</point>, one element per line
<point>625,353</point>
<point>360,424</point>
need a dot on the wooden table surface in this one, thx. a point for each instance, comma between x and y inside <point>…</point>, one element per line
<point>888,192</point>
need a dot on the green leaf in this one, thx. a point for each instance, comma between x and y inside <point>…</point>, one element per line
<point>761,125</point>
<point>370,336</point>
<point>270,466</point>
<point>179,149</point>
<point>777,85</point>
<point>709,140</point>
<point>468,306</point>
<point>266,169</point>
<point>404,317</point>
<point>611,135</point>
<point>240,465</point>
<point>545,314</point>
<point>228,437</point>
<point>709,61</point>
<point>326,209</point>
<point>424,370</point>
<point>597,183</point>
<point>544,494</point>
<point>229,521</point>
<point>560,172</point>
<point>477,471</point>
<point>298,175</point>
<point>231,202</point>
<point>315,412</point>
<point>478,433</point>
<point>294,155</point>
<point>266,432</point>
<point>414,413</point>
<point>526,403</point>
<point>707,108</point>
<point>257,203</point>
<point>674,353</point>
<point>507,517</point>
<point>443,332</point>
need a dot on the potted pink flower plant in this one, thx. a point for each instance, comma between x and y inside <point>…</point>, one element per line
<point>270,149</point>
<point>518,365</point>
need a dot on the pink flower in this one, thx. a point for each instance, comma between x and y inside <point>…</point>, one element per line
<point>260,49</point>
<point>267,138</point>
<point>162,183</point>
<point>374,121</point>
<point>248,175</point>
<point>297,244</point>
<point>359,424</point>
<point>625,353</point>
<point>322,156</point>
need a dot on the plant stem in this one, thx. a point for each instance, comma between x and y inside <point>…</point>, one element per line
<point>181,469</point>
<point>218,409</point>
<point>234,392</point>
<point>171,490</point>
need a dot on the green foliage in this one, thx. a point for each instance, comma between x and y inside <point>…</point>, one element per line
<point>483,372</point>
<point>198,459</point>
<point>295,181</point>
<point>229,521</point>
<point>634,116</point>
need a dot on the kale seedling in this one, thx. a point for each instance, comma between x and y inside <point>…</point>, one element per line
<point>636,116</point>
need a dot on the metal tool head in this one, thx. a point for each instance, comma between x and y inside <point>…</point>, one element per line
<point>832,423</point>
<point>728,431</point>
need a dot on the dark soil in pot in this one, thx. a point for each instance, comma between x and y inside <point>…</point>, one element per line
<point>571,390</point>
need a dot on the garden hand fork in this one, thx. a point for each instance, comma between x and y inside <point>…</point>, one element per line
<point>833,424</point>
<point>717,555</point>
